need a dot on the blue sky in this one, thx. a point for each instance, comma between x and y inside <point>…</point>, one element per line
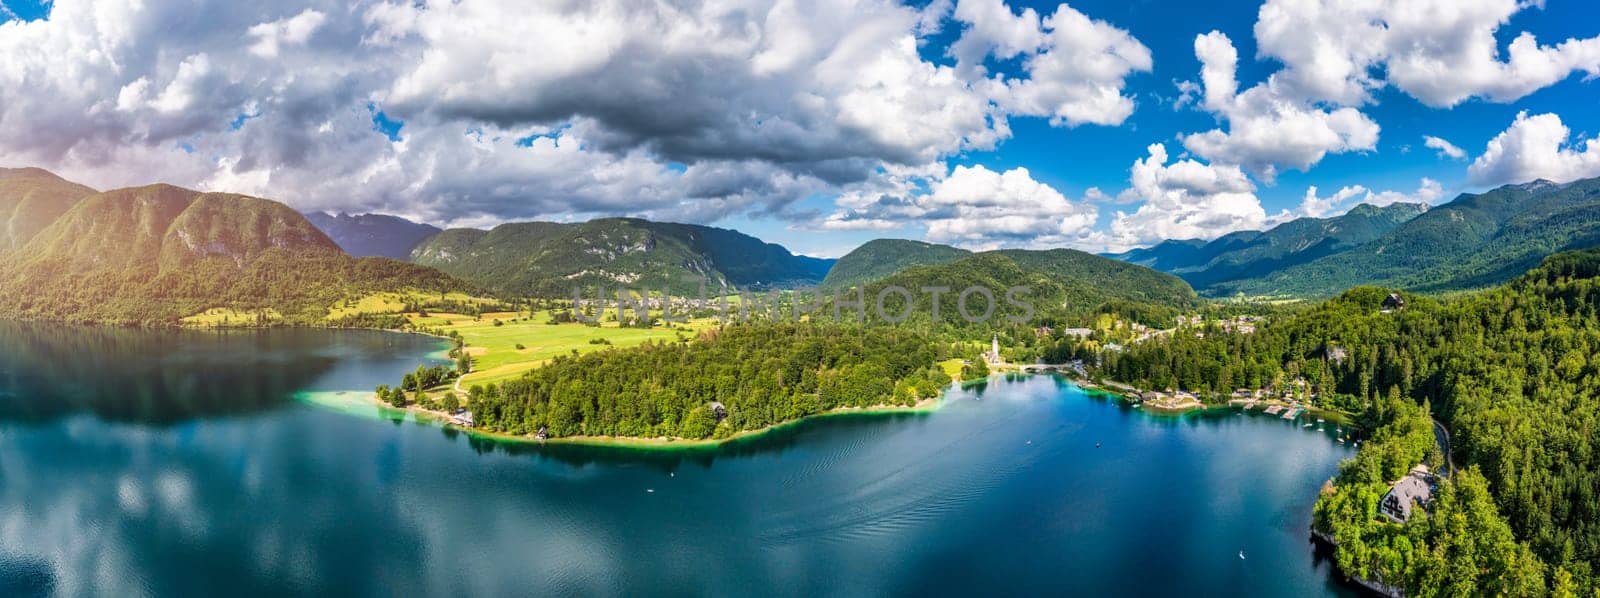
<point>810,124</point>
<point>1077,158</point>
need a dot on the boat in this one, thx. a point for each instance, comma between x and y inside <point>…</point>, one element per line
<point>1319,420</point>
<point>1306,426</point>
<point>1241,555</point>
<point>1341,440</point>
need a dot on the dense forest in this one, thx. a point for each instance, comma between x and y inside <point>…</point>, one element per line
<point>1513,373</point>
<point>737,378</point>
<point>1063,288</point>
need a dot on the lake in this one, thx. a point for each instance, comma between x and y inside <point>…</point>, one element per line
<point>210,463</point>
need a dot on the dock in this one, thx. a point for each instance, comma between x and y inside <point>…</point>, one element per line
<point>1292,412</point>
<point>1274,410</point>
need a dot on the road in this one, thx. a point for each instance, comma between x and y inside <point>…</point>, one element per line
<point>1441,435</point>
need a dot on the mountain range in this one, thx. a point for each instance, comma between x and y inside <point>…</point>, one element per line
<point>154,254</point>
<point>550,259</point>
<point>373,235</point>
<point>1474,241</point>
<point>1245,254</point>
<point>157,253</point>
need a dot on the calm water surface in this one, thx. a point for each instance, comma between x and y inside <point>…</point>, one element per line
<point>187,463</point>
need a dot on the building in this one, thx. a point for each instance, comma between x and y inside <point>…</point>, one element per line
<point>1416,488</point>
<point>1077,332</point>
<point>462,418</point>
<point>993,355</point>
<point>1393,302</point>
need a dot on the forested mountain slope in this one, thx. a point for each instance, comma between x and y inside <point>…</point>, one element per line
<point>1063,285</point>
<point>1211,266</point>
<point>878,258</point>
<point>31,199</point>
<point>1474,241</point>
<point>552,259</point>
<point>154,254</point>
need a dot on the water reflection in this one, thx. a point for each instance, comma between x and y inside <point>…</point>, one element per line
<point>49,371</point>
<point>1012,493</point>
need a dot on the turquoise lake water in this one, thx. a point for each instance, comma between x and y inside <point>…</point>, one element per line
<point>190,463</point>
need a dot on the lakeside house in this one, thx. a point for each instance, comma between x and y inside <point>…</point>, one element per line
<point>462,418</point>
<point>993,354</point>
<point>1416,488</point>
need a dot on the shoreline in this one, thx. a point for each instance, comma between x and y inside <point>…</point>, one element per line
<point>637,443</point>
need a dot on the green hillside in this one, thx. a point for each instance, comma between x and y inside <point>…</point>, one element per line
<point>151,255</point>
<point>1474,241</point>
<point>31,199</point>
<point>1065,285</point>
<point>550,259</point>
<point>1210,266</point>
<point>881,257</point>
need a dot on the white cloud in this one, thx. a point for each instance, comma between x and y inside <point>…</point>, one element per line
<point>694,111</point>
<point>1076,66</point>
<point>292,31</point>
<point>1321,207</point>
<point>1428,192</point>
<point>1445,148</point>
<point>1186,199</point>
<point>1441,52</point>
<point>971,206</point>
<point>1267,129</point>
<point>1535,147</point>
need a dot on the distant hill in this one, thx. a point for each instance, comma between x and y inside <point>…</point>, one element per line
<point>373,235</point>
<point>31,199</point>
<point>882,257</point>
<point>1475,241</point>
<point>549,259</point>
<point>1065,284</point>
<point>151,255</point>
<point>1209,266</point>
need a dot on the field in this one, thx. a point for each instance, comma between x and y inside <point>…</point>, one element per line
<point>231,318</point>
<point>393,303</point>
<point>495,351</point>
<point>502,344</point>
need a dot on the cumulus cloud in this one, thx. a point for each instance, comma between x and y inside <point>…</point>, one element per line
<point>1445,148</point>
<point>971,206</point>
<point>1186,199</point>
<point>694,111</point>
<point>1442,52</point>
<point>1268,129</point>
<point>1428,192</point>
<point>1535,147</point>
<point>1076,66</point>
<point>292,31</point>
